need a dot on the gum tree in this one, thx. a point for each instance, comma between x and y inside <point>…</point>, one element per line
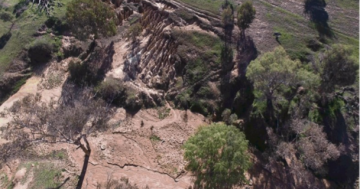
<point>217,154</point>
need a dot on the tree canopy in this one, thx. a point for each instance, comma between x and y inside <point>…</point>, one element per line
<point>227,17</point>
<point>339,68</point>
<point>245,15</point>
<point>275,70</point>
<point>217,154</point>
<point>87,17</point>
<point>274,74</point>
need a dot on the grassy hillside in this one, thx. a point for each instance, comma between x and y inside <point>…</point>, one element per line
<point>299,33</point>
<point>22,28</point>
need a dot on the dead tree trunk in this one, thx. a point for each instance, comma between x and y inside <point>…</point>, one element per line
<point>87,152</point>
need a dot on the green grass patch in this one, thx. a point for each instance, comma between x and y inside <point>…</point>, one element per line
<point>185,14</point>
<point>295,30</point>
<point>163,112</point>
<point>348,4</point>
<point>46,175</point>
<point>18,84</point>
<point>201,41</point>
<point>347,40</point>
<point>5,182</point>
<point>61,155</point>
<point>155,138</point>
<point>201,51</point>
<point>294,44</point>
<point>212,6</point>
<point>283,11</point>
<point>133,19</point>
<point>24,27</point>
<point>195,71</point>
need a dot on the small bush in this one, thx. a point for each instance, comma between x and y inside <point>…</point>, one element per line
<point>134,31</point>
<point>246,14</point>
<point>57,25</point>
<point>122,184</point>
<point>112,91</point>
<point>52,81</point>
<point>163,112</point>
<point>155,138</point>
<point>40,52</point>
<point>227,17</point>
<point>226,116</point>
<point>185,14</point>
<point>5,16</point>
<point>77,72</point>
<point>232,119</point>
<point>133,103</point>
<point>199,106</point>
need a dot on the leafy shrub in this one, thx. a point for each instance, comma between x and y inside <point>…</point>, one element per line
<point>112,91</point>
<point>274,76</point>
<point>123,183</point>
<point>86,17</point>
<point>155,138</point>
<point>134,101</point>
<point>134,31</point>
<point>5,16</point>
<point>228,17</point>
<point>217,154</point>
<point>40,52</point>
<point>226,115</point>
<point>163,112</point>
<point>77,72</point>
<point>246,14</point>
<point>57,25</point>
<point>185,14</point>
<point>339,68</point>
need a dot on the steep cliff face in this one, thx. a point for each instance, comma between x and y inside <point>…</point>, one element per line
<point>177,59</point>
<point>155,59</point>
<point>178,52</point>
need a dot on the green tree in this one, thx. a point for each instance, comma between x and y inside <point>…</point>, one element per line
<point>217,154</point>
<point>227,17</point>
<point>339,68</point>
<point>86,17</point>
<point>245,15</point>
<point>275,73</point>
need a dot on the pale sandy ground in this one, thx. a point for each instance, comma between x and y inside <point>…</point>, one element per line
<point>126,149</point>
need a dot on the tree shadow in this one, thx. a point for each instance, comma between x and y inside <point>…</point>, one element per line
<point>277,35</point>
<point>246,52</point>
<point>131,64</point>
<point>318,15</point>
<point>344,171</point>
<point>228,33</point>
<point>4,39</point>
<point>62,184</point>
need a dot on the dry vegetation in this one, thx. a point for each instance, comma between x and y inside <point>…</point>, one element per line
<point>296,105</point>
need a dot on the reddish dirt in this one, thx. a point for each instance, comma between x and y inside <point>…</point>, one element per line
<point>128,150</point>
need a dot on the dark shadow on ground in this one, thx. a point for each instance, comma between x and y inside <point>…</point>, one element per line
<point>62,184</point>
<point>318,15</point>
<point>246,52</point>
<point>4,39</point>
